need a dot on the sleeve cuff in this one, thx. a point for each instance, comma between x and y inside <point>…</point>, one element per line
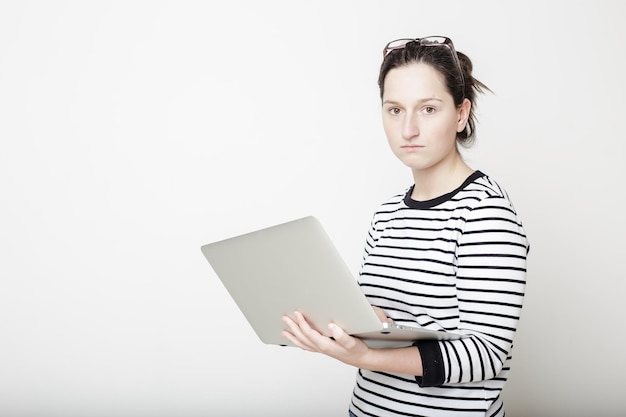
<point>432,363</point>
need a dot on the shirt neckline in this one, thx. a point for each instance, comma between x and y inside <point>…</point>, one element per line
<point>442,198</point>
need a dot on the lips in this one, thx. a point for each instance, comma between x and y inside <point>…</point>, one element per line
<point>412,147</point>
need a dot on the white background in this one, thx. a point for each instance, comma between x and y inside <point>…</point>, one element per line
<point>133,132</point>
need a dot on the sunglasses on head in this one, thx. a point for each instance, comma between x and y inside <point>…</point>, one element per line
<point>427,41</point>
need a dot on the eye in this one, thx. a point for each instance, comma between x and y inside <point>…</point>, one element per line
<point>394,111</point>
<point>429,109</point>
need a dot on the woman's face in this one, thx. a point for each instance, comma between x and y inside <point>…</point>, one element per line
<point>420,118</point>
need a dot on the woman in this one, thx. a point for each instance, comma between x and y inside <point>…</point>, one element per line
<point>448,253</point>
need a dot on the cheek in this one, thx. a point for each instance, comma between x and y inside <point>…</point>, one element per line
<point>447,130</point>
<point>388,129</point>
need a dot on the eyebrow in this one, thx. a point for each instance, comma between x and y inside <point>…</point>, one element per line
<point>420,101</point>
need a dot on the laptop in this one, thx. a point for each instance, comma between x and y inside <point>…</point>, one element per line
<point>295,266</point>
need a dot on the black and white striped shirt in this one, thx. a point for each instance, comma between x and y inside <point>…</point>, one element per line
<point>456,263</point>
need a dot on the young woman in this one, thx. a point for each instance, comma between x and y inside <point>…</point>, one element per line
<point>448,253</point>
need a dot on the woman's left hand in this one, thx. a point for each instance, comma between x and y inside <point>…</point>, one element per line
<point>341,346</point>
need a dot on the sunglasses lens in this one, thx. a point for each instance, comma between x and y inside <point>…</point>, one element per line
<point>397,44</point>
<point>435,40</point>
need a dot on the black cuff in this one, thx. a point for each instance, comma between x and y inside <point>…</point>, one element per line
<point>432,363</point>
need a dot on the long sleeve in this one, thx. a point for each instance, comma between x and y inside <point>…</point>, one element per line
<point>490,282</point>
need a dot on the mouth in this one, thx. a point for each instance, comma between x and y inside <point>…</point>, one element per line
<point>412,147</point>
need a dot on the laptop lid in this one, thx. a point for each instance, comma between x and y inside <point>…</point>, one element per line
<point>295,266</point>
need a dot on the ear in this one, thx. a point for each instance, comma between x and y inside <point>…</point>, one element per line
<point>463,114</point>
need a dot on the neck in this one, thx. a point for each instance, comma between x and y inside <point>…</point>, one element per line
<point>438,180</point>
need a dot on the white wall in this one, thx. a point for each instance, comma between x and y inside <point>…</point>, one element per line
<point>133,132</point>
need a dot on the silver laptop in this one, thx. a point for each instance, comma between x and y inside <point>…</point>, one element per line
<point>295,266</point>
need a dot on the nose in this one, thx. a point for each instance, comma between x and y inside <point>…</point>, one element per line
<point>410,126</point>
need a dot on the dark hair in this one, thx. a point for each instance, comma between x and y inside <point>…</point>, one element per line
<point>441,59</point>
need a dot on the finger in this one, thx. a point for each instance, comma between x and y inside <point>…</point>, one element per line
<point>295,334</point>
<point>301,321</point>
<point>305,327</point>
<point>294,340</point>
<point>293,327</point>
<point>315,340</point>
<point>340,336</point>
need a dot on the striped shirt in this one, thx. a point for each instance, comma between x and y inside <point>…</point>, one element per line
<point>455,263</point>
